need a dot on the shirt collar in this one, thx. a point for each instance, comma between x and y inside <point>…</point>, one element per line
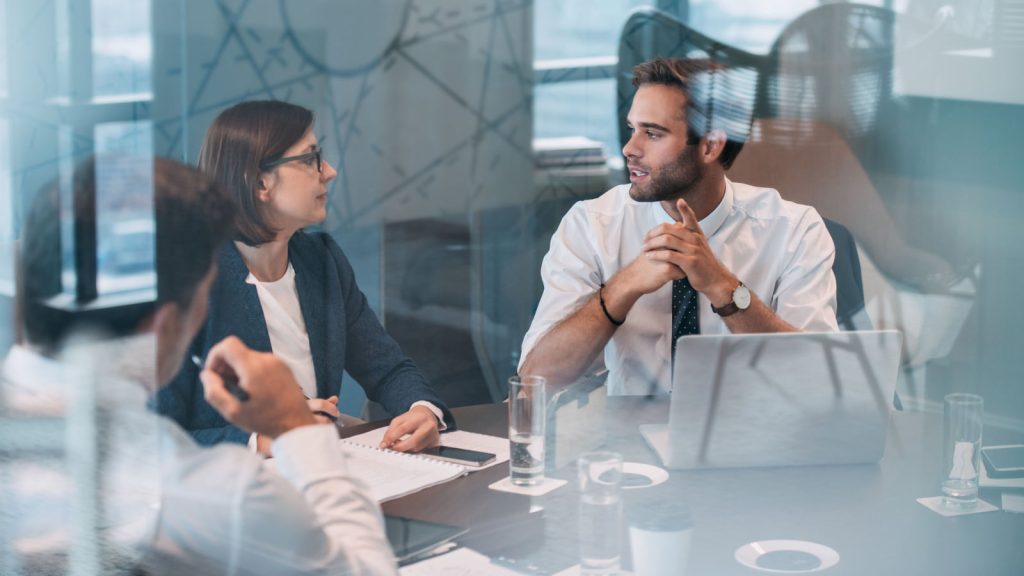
<point>713,221</point>
<point>289,273</point>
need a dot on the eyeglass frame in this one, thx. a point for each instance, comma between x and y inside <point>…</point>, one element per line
<point>316,153</point>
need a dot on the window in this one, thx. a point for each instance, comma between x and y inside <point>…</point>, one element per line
<point>6,211</point>
<point>574,34</point>
<point>570,35</point>
<point>125,232</point>
<point>122,49</point>
<point>3,51</point>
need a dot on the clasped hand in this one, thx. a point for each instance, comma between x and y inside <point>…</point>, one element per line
<point>680,250</point>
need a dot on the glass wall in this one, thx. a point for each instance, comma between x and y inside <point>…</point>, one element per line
<point>463,131</point>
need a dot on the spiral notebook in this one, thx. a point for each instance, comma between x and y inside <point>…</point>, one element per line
<point>389,474</point>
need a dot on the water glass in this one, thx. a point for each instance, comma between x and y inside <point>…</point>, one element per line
<point>600,507</point>
<point>526,419</point>
<point>962,449</point>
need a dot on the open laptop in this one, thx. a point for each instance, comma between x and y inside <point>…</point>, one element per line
<point>411,539</point>
<point>796,399</point>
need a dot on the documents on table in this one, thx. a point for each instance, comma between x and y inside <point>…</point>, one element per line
<point>389,474</point>
<point>457,439</point>
<point>460,562</point>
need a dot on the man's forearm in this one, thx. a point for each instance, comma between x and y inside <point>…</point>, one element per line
<point>574,344</point>
<point>759,317</point>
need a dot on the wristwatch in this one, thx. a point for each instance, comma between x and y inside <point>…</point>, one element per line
<point>740,301</point>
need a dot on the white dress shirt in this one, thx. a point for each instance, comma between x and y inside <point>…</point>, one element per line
<point>171,506</point>
<point>780,250</point>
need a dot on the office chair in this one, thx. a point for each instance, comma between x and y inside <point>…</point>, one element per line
<point>833,64</point>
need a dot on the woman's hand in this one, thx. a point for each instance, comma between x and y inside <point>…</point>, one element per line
<point>412,431</point>
<point>323,409</point>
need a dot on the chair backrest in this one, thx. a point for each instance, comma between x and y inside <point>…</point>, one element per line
<point>833,64</point>
<point>849,283</point>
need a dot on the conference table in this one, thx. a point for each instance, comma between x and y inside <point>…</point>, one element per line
<point>867,513</point>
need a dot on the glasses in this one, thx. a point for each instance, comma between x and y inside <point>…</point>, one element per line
<point>307,157</point>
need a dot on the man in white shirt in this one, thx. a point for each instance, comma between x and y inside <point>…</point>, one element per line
<point>681,250</point>
<point>165,504</point>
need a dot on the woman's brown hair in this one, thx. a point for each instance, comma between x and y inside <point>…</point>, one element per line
<point>237,142</point>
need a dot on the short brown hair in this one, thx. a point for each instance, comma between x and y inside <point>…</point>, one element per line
<point>678,73</point>
<point>193,218</point>
<point>238,141</point>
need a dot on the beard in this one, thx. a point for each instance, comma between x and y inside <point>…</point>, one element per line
<point>674,180</point>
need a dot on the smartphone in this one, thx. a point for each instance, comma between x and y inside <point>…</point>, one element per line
<point>460,455</point>
<point>1004,461</point>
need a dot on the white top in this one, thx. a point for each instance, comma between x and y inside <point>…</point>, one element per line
<point>289,339</point>
<point>286,327</point>
<point>174,507</point>
<point>780,250</point>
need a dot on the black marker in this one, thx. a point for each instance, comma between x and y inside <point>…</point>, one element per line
<point>230,382</point>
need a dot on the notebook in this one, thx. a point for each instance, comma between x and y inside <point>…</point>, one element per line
<point>457,439</point>
<point>389,474</point>
<point>754,400</point>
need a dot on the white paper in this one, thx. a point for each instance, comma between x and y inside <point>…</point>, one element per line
<point>935,504</point>
<point>963,464</point>
<point>457,439</point>
<point>1013,502</point>
<point>460,562</point>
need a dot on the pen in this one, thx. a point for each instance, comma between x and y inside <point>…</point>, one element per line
<point>230,382</point>
<point>330,417</point>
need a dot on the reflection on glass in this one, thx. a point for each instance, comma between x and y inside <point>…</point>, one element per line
<point>747,24</point>
<point>124,206</point>
<point>578,28</point>
<point>122,48</point>
<point>6,208</point>
<point>3,60</point>
<point>577,109</point>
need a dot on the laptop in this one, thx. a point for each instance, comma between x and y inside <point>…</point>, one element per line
<point>411,539</point>
<point>796,399</point>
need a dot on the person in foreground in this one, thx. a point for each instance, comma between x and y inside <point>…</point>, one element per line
<point>168,505</point>
<point>680,250</point>
<point>283,289</point>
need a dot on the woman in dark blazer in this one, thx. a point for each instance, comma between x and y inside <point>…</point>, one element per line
<point>280,288</point>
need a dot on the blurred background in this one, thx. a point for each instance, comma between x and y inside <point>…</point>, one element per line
<point>464,129</point>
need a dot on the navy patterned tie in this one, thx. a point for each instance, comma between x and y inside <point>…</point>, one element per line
<point>685,315</point>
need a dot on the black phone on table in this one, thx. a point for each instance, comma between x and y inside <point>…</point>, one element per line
<point>462,456</point>
<point>1004,461</point>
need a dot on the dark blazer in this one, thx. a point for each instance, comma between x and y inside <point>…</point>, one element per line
<point>344,335</point>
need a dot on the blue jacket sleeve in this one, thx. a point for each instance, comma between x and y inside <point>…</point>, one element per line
<point>182,401</point>
<point>372,357</point>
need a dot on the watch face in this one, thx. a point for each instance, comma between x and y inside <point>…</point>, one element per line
<point>741,296</point>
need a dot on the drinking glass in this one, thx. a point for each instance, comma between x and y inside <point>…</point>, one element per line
<point>526,419</point>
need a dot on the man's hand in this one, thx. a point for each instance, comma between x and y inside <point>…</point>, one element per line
<point>276,404</point>
<point>684,246</point>
<point>645,275</point>
<point>420,424</point>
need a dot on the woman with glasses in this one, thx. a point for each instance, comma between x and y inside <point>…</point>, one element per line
<point>283,289</point>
